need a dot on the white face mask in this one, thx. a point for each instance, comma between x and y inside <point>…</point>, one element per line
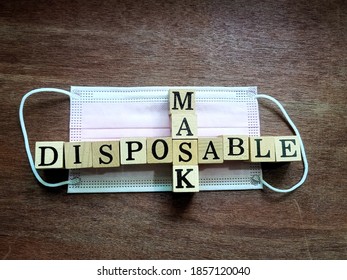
<point>104,113</point>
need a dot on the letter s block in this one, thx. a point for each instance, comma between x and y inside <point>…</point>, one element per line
<point>49,155</point>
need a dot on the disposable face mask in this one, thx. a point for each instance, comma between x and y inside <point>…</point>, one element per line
<point>110,113</point>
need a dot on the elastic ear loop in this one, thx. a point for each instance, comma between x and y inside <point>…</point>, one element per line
<point>303,153</point>
<point>25,135</point>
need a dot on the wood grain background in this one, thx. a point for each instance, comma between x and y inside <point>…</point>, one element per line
<point>292,50</point>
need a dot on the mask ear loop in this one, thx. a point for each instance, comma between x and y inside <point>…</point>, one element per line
<point>303,153</point>
<point>25,135</point>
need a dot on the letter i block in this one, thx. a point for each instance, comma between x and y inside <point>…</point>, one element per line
<point>184,126</point>
<point>185,178</point>
<point>49,155</point>
<point>78,155</point>
<point>182,101</point>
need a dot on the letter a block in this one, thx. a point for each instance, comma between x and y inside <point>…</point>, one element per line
<point>182,101</point>
<point>78,155</point>
<point>49,155</point>
<point>185,178</point>
<point>210,150</point>
<point>184,126</point>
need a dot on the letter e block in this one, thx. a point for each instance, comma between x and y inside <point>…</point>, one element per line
<point>236,147</point>
<point>262,149</point>
<point>49,155</point>
<point>159,150</point>
<point>210,150</point>
<point>185,178</point>
<point>106,154</point>
<point>133,150</point>
<point>78,155</point>
<point>287,148</point>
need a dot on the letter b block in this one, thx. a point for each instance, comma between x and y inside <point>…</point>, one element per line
<point>185,178</point>
<point>49,155</point>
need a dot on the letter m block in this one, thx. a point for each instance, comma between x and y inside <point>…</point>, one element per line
<point>182,101</point>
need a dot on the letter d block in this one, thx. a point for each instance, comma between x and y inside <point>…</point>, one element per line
<point>185,178</point>
<point>49,155</point>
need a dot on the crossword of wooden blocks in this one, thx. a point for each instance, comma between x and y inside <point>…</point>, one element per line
<point>185,178</point>
<point>106,154</point>
<point>78,155</point>
<point>49,155</point>
<point>235,147</point>
<point>210,150</point>
<point>159,150</point>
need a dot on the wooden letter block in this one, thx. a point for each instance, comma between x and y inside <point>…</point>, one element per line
<point>236,147</point>
<point>78,155</point>
<point>49,155</point>
<point>182,100</point>
<point>262,149</point>
<point>159,150</point>
<point>185,152</point>
<point>185,178</point>
<point>106,154</point>
<point>210,150</point>
<point>133,150</point>
<point>287,148</point>
<point>184,126</point>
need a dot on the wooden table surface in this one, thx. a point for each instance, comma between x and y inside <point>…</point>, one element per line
<point>295,52</point>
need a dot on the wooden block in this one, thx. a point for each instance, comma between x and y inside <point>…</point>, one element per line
<point>133,150</point>
<point>49,155</point>
<point>185,178</point>
<point>182,100</point>
<point>184,126</point>
<point>262,149</point>
<point>210,150</point>
<point>287,148</point>
<point>185,152</point>
<point>78,155</point>
<point>106,154</point>
<point>235,147</point>
<point>159,150</point>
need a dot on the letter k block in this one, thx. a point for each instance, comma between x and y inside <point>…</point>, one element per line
<point>185,178</point>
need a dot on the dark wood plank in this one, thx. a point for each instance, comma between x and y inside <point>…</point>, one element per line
<point>295,52</point>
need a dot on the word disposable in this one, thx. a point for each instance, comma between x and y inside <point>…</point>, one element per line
<point>184,150</point>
